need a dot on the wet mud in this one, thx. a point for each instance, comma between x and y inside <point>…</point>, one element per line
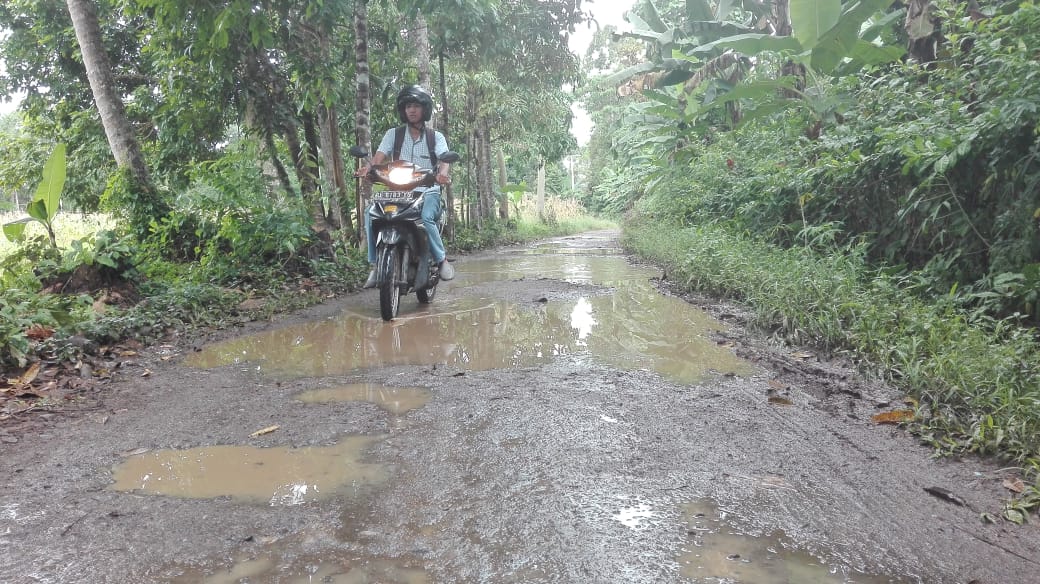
<point>554,416</point>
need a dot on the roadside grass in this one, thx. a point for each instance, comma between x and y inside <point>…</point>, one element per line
<point>190,296</point>
<point>68,227</point>
<point>561,217</point>
<point>976,384</point>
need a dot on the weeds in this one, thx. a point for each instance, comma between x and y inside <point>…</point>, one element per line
<point>977,381</point>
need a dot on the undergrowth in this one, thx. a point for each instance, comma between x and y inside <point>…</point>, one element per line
<point>976,381</point>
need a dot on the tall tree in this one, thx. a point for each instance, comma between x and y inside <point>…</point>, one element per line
<point>362,104</point>
<point>144,200</point>
<point>120,133</point>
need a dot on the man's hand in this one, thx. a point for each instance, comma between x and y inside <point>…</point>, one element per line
<point>443,178</point>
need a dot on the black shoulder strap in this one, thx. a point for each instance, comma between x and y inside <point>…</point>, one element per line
<point>431,146</point>
<point>431,143</point>
<point>398,141</point>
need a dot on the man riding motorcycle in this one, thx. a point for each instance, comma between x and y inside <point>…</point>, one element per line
<point>416,143</point>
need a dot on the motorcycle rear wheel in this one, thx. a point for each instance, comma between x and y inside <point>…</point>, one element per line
<point>390,290</point>
<point>426,295</point>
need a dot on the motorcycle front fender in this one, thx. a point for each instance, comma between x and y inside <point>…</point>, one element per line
<point>389,236</point>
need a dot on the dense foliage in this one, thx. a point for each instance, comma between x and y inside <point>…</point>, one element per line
<point>887,208</point>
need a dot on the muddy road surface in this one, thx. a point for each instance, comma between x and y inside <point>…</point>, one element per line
<point>553,416</point>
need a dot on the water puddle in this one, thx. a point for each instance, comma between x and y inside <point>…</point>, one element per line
<point>572,266</point>
<point>396,400</point>
<point>272,476</point>
<point>716,554</point>
<point>259,570</point>
<point>634,328</point>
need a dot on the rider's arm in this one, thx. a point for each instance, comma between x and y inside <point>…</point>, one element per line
<point>443,168</point>
<point>443,173</point>
<point>377,158</point>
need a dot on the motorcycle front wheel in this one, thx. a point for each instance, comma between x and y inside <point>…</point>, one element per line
<point>390,289</point>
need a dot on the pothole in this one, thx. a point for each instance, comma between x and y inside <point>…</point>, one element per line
<point>273,476</point>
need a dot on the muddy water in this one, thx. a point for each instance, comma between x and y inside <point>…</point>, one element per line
<point>628,325</point>
<point>272,476</point>
<point>717,553</point>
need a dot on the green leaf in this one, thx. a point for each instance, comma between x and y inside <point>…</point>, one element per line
<point>49,191</point>
<point>37,209</point>
<point>653,17</point>
<point>15,230</point>
<point>699,10</point>
<point>810,19</point>
<point>752,44</point>
<point>843,39</point>
<point>724,8</point>
<point>753,91</point>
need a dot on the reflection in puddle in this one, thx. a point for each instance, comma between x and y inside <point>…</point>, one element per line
<point>717,555</point>
<point>311,572</point>
<point>634,328</point>
<point>275,476</point>
<point>632,517</point>
<point>557,265</point>
<point>396,400</point>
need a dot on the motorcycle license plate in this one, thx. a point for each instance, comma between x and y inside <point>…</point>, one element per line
<point>393,195</point>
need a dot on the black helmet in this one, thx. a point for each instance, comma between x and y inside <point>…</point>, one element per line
<point>414,94</point>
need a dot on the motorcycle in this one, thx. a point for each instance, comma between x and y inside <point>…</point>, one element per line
<point>403,260</point>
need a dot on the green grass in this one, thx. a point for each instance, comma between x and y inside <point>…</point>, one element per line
<point>67,228</point>
<point>977,383</point>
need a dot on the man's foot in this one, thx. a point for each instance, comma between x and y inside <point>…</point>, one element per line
<point>371,281</point>
<point>446,271</point>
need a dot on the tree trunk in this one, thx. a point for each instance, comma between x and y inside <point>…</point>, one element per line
<point>117,126</point>
<point>485,174</point>
<point>449,192</point>
<point>540,193</point>
<point>363,108</point>
<point>333,181</point>
<point>503,198</point>
<point>422,51</point>
<point>120,134</point>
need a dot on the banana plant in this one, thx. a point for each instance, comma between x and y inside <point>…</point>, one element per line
<point>828,39</point>
<point>45,203</point>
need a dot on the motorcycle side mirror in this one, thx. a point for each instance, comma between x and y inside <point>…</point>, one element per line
<point>358,152</point>
<point>451,157</point>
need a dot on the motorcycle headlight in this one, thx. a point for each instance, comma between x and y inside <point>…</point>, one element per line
<point>401,176</point>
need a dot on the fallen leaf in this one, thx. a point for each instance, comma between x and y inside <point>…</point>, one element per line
<point>29,376</point>
<point>134,452</point>
<point>776,384</point>
<point>146,373</point>
<point>893,417</point>
<point>126,353</point>
<point>780,401</point>
<point>1014,484</point>
<point>39,332</point>
<point>266,430</point>
<point>802,355</point>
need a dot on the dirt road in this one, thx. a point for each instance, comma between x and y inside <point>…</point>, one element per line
<point>551,417</point>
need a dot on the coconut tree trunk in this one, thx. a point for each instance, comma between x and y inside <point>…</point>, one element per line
<point>449,192</point>
<point>120,134</point>
<point>422,51</point>
<point>503,198</point>
<point>362,107</point>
